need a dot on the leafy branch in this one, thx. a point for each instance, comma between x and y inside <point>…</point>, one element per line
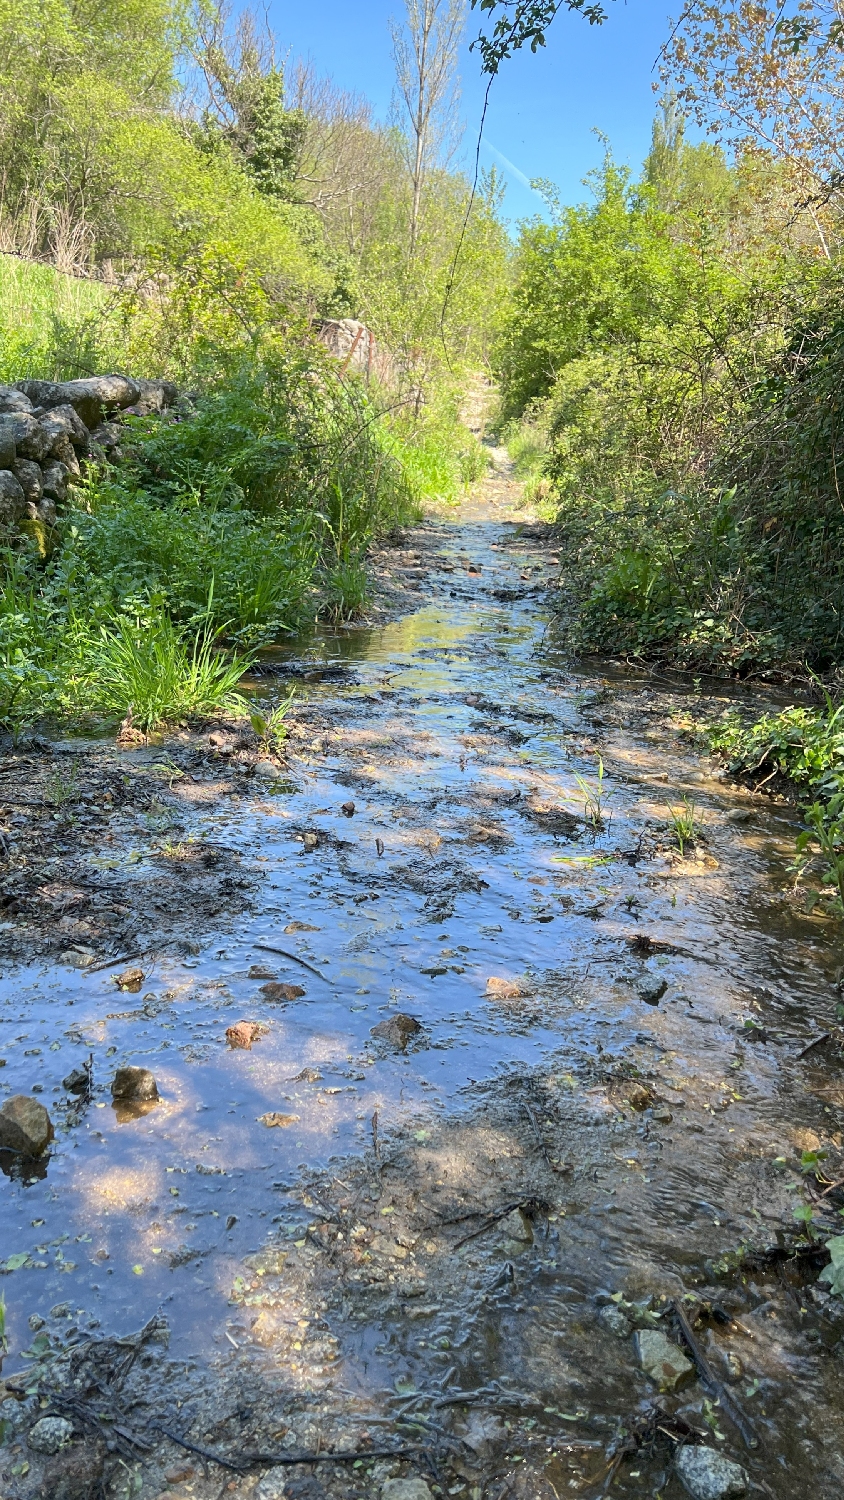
<point>518,23</point>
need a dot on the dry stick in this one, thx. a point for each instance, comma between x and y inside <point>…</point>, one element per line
<point>824,1037</point>
<point>710,1380</point>
<point>111,963</point>
<point>274,1460</point>
<point>492,1220</point>
<point>554,1166</point>
<point>270,948</point>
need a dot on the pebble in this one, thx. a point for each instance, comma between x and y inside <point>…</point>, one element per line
<point>25,1126</point>
<point>652,993</point>
<point>243,1034</point>
<point>50,1434</point>
<point>406,1489</point>
<point>272,1485</point>
<point>276,991</point>
<point>615,1322</point>
<point>662,1361</point>
<point>397,1029</point>
<point>134,1083</point>
<point>707,1475</point>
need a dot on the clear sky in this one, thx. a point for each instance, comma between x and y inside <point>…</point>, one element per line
<point>544,107</point>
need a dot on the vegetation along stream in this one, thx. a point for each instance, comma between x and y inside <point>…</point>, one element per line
<point>444,1237</point>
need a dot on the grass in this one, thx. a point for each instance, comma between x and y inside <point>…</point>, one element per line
<point>594,798</point>
<point>52,326</point>
<point>270,727</point>
<point>149,673</point>
<point>684,824</point>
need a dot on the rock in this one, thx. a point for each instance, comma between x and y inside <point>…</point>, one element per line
<point>29,477</point>
<point>662,1362</point>
<point>397,1030</point>
<point>77,1081</point>
<point>639,1097</point>
<point>154,396</point>
<point>651,991</point>
<point>272,1485</point>
<point>707,1475</point>
<point>13,401</point>
<point>64,424</point>
<point>12,499</point>
<point>301,927</point>
<point>275,991</point>
<point>8,446</point>
<point>30,439</point>
<point>134,1083</point>
<point>260,971</point>
<point>413,1488</point>
<point>614,1321</point>
<point>486,1434</point>
<point>50,1434</point>
<point>89,398</point>
<point>244,1033</point>
<point>130,980</point>
<point>348,809</point>
<point>55,479</point>
<point>266,770</point>
<point>64,452</point>
<point>106,437</point>
<point>274,1117</point>
<point>503,989</point>
<point>179,1473</point>
<point>25,1126</point>
<point>516,1226</point>
<point>310,841</point>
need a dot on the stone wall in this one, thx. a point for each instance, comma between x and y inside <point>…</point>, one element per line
<point>357,348</point>
<point>48,431</point>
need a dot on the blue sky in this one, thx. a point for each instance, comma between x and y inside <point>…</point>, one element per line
<point>544,108</point>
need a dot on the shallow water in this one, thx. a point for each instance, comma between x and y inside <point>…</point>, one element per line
<point>454,730</point>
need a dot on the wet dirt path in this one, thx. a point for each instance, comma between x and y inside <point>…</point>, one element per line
<point>362,1239</point>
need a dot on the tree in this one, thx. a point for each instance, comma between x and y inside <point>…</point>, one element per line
<point>518,23</point>
<point>425,57</point>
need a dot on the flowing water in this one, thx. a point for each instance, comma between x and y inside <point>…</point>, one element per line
<point>631,1077</point>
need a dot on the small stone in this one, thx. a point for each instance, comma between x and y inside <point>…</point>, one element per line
<point>639,1097</point>
<point>276,991</point>
<point>272,1485</point>
<point>397,1030</point>
<point>50,1434</point>
<point>301,927</point>
<point>134,1083</point>
<point>662,1116</point>
<point>662,1361</point>
<point>503,989</point>
<point>25,1126</point>
<point>310,841</point>
<point>274,1118</point>
<point>131,980</point>
<point>516,1226</point>
<point>406,1489</point>
<point>244,1033</point>
<point>76,1081</point>
<point>266,770</point>
<point>707,1475</point>
<point>614,1321</point>
<point>348,809</point>
<point>35,1322</point>
<point>260,971</point>
<point>650,992</point>
<point>178,1473</point>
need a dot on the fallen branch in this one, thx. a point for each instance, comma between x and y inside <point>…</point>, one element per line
<point>275,1460</point>
<point>532,1204</point>
<point>294,957</point>
<point>710,1380</point>
<point>824,1037</point>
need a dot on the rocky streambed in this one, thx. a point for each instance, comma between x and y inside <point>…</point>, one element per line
<point>482,1111</point>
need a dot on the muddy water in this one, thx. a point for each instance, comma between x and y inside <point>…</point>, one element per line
<point>470,749</point>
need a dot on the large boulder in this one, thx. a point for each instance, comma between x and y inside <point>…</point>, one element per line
<point>30,439</point>
<point>89,398</point>
<point>155,395</point>
<point>25,1126</point>
<point>135,1084</point>
<point>8,446</point>
<point>30,479</point>
<point>62,422</point>
<point>55,480</point>
<point>12,400</point>
<point>12,499</point>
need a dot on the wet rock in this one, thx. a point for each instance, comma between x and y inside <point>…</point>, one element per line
<point>662,1361</point>
<point>76,1081</point>
<point>406,1489</point>
<point>348,809</point>
<point>276,991</point>
<point>130,980</point>
<point>273,1117</point>
<point>50,1434</point>
<point>301,927</point>
<point>707,1475</point>
<point>504,989</point>
<point>310,841</point>
<point>76,1473</point>
<point>260,971</point>
<point>25,1126</point>
<point>614,1321</point>
<point>134,1084</point>
<point>485,1433</point>
<point>651,991</point>
<point>266,770</point>
<point>639,1097</point>
<point>244,1033</point>
<point>516,1226</point>
<point>397,1030</point>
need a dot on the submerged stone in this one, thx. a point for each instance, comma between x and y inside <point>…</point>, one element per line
<point>662,1362</point>
<point>134,1083</point>
<point>25,1126</point>
<point>707,1475</point>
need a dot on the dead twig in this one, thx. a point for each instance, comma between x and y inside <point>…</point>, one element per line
<point>111,963</point>
<point>709,1379</point>
<point>294,957</point>
<point>816,1042</point>
<point>275,1460</point>
<point>529,1205</point>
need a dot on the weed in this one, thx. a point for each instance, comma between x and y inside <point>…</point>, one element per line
<point>595,796</point>
<point>684,824</point>
<point>270,726</point>
<point>150,669</point>
<point>804,1214</point>
<point>822,840</point>
<point>61,786</point>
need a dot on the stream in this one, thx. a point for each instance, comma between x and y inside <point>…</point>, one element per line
<point>605,1098</point>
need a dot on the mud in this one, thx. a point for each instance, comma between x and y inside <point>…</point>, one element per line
<point>343,1237</point>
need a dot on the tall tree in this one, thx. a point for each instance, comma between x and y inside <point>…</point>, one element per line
<point>425,55</point>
